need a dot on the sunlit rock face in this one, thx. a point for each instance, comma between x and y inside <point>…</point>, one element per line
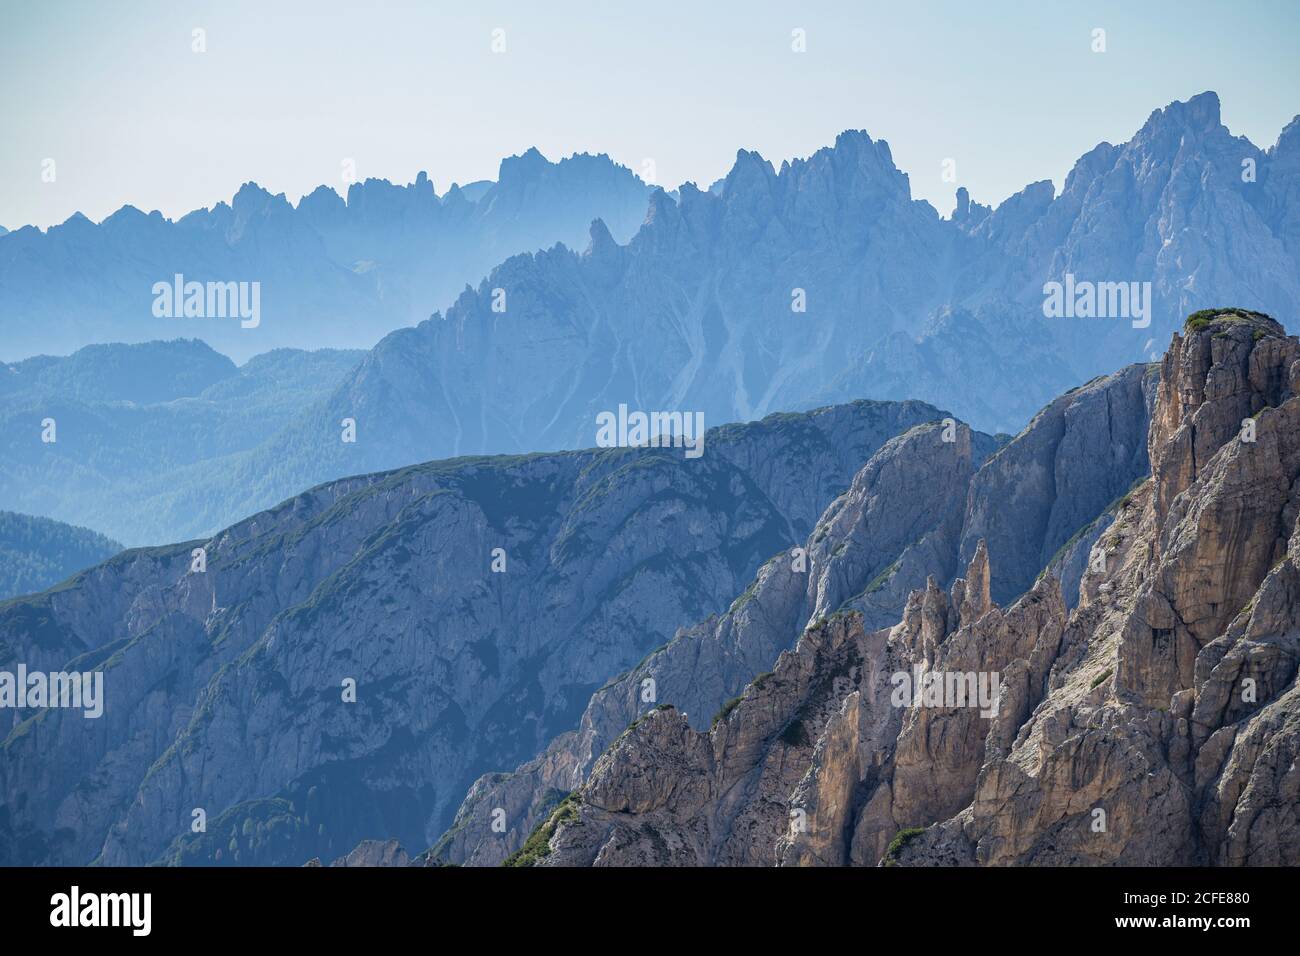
<point>1157,723</point>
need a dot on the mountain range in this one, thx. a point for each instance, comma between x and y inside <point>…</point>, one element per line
<point>1156,724</point>
<point>677,653</point>
<point>824,281</point>
<point>483,606</point>
<point>777,289</point>
<point>414,609</point>
<point>120,437</point>
<point>333,272</point>
<point>476,603</point>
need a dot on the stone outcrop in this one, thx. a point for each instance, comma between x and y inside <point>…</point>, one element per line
<point>911,489</point>
<point>1079,455</point>
<point>910,514</point>
<point>1157,723</point>
<point>375,853</point>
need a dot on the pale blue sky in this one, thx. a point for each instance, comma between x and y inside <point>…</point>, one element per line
<point>286,91</point>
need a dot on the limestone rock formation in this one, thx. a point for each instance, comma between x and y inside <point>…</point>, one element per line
<point>1158,723</point>
<point>911,512</point>
<point>375,853</point>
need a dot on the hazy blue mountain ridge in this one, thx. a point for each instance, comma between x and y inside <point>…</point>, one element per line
<point>135,427</point>
<point>37,553</point>
<point>332,272</point>
<point>816,283</point>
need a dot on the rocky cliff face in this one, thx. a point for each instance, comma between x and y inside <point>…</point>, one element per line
<point>918,511</point>
<point>1155,724</point>
<point>1079,455</point>
<point>344,665</point>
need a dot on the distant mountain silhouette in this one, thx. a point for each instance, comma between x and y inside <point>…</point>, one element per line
<point>332,272</point>
<point>136,430</point>
<point>813,284</point>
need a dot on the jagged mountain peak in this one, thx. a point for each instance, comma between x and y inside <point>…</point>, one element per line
<point>531,166</point>
<point>251,195</point>
<point>855,139</point>
<point>1288,141</point>
<point>853,162</point>
<point>530,161</point>
<point>663,217</point>
<point>322,198</point>
<point>749,173</point>
<point>127,214</point>
<point>78,220</point>
<point>1153,725</point>
<point>601,241</point>
<point>1188,132</point>
<point>1199,113</point>
<point>1222,371</point>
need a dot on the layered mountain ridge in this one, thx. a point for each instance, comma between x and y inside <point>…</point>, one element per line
<point>134,440</point>
<point>1157,723</point>
<point>333,272</point>
<point>476,604</point>
<point>817,283</point>
<point>228,688</point>
<point>918,510</point>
